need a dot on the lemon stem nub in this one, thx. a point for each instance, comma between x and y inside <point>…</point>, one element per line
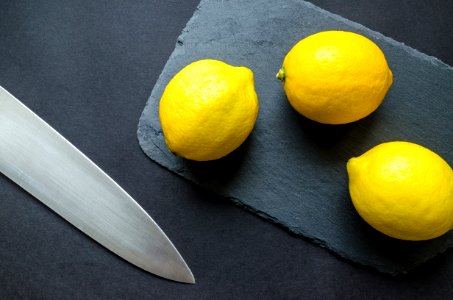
<point>281,74</point>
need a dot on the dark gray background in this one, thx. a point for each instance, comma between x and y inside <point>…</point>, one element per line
<point>87,68</point>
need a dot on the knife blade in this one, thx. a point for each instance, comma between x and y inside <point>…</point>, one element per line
<point>45,164</point>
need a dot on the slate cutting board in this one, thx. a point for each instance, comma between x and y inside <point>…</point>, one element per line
<point>291,171</point>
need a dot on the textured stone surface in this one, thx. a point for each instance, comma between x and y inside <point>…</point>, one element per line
<point>291,171</point>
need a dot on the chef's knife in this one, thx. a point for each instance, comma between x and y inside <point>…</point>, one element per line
<point>45,164</point>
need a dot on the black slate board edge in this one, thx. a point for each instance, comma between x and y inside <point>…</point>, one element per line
<point>301,234</point>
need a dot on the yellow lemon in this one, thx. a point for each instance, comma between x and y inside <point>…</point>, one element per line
<point>208,109</point>
<point>403,190</point>
<point>335,77</point>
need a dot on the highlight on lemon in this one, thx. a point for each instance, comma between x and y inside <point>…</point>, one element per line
<point>404,190</point>
<point>335,77</point>
<point>208,109</point>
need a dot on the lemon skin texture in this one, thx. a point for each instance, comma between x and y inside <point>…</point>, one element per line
<point>404,190</point>
<point>208,109</point>
<point>335,77</point>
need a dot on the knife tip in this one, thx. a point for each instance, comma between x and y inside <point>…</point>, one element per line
<point>189,278</point>
<point>175,268</point>
<point>182,276</point>
<point>185,275</point>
